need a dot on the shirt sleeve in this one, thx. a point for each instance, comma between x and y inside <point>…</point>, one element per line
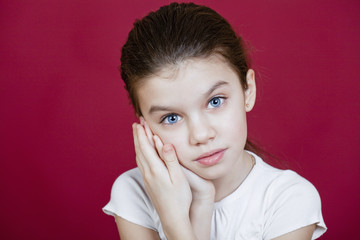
<point>293,203</point>
<point>130,201</point>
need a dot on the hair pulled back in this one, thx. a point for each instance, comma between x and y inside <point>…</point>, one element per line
<point>173,34</point>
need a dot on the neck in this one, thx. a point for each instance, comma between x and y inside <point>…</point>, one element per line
<point>227,185</point>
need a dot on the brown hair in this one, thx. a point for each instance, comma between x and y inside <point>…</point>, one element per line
<point>173,34</point>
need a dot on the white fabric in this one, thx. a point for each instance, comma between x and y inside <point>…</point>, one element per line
<point>269,203</point>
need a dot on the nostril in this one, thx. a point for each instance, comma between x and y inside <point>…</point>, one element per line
<point>201,134</point>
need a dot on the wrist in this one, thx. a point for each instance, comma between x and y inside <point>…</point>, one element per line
<point>201,208</point>
<point>207,195</point>
<point>200,216</point>
<point>179,229</point>
<point>204,198</point>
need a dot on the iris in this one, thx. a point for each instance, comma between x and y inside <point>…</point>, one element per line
<point>215,102</point>
<point>171,119</point>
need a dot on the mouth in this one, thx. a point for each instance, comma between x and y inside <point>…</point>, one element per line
<point>211,158</point>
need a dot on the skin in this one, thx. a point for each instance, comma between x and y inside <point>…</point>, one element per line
<point>191,109</point>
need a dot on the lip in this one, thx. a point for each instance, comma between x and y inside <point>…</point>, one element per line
<point>211,158</point>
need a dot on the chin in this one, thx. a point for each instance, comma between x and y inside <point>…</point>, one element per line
<point>212,173</point>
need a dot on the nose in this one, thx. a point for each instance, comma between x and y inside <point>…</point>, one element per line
<point>201,130</point>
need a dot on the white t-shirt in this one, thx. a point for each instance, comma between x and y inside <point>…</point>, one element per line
<point>269,203</point>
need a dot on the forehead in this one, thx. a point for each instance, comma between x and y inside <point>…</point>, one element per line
<point>187,80</point>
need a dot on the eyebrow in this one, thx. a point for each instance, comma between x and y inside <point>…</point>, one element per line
<point>216,86</point>
<point>207,93</point>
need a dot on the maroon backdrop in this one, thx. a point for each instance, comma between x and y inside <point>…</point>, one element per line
<point>66,123</point>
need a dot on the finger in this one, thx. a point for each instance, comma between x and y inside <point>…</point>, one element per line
<point>171,161</point>
<point>158,145</point>
<point>137,148</point>
<point>150,156</point>
<point>148,132</point>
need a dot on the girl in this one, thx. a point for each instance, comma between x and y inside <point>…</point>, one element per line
<point>189,81</point>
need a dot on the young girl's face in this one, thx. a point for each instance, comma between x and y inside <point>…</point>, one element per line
<point>200,108</point>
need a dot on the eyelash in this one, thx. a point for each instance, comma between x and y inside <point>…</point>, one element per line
<point>221,98</point>
<point>164,118</point>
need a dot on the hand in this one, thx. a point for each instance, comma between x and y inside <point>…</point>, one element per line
<point>201,210</point>
<point>202,190</point>
<point>164,180</point>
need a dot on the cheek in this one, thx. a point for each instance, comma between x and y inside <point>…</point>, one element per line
<point>178,139</point>
<point>172,136</point>
<point>234,125</point>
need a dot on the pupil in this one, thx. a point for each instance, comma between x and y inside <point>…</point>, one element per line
<point>215,102</point>
<point>172,118</point>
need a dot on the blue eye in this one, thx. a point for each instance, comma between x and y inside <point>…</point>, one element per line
<point>171,119</point>
<point>216,102</point>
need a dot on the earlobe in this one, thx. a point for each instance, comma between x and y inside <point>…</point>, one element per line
<point>250,92</point>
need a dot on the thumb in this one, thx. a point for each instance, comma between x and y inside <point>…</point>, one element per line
<point>171,161</point>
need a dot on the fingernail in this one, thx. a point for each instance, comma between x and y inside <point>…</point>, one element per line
<point>142,120</point>
<point>167,148</point>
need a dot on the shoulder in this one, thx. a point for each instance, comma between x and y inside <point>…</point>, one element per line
<point>286,186</point>
<point>129,200</point>
<point>129,186</point>
<point>128,190</point>
<point>128,180</point>
<point>290,202</point>
<point>290,182</point>
<point>282,182</point>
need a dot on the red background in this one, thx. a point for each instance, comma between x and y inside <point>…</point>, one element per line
<point>66,123</point>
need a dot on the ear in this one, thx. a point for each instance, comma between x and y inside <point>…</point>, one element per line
<point>250,92</point>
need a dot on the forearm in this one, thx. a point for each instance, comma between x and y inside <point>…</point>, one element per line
<point>200,217</point>
<point>179,229</point>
